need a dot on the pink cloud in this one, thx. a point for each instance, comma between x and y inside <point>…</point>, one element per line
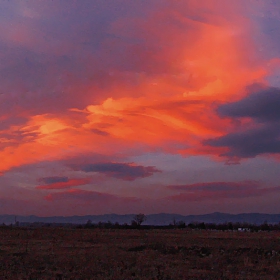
<point>88,196</point>
<point>219,190</point>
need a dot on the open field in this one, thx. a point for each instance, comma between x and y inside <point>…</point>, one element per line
<point>54,253</point>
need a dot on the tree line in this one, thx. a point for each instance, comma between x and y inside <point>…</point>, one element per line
<point>191,226</point>
<point>139,219</point>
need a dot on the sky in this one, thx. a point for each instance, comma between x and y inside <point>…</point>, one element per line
<point>149,106</point>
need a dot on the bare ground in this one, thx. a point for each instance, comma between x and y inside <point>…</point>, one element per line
<point>49,253</point>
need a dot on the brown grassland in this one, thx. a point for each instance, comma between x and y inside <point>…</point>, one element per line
<point>60,253</point>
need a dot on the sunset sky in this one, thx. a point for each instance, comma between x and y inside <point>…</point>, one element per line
<point>129,106</point>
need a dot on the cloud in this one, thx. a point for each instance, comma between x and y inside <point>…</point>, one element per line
<point>115,79</point>
<point>261,134</point>
<point>53,179</point>
<point>219,190</point>
<point>53,183</point>
<point>100,132</point>
<point>262,106</point>
<point>124,171</point>
<point>49,55</point>
<point>216,186</point>
<point>89,196</point>
<point>7,121</point>
<point>249,143</point>
<point>91,77</point>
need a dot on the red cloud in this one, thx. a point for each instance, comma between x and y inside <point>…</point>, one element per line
<point>135,80</point>
<point>65,185</point>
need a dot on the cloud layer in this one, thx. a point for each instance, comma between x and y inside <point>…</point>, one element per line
<point>53,183</point>
<point>261,134</point>
<point>125,171</point>
<point>220,190</point>
<point>91,91</point>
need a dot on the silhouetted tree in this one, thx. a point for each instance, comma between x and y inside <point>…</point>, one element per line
<point>138,219</point>
<point>230,226</point>
<point>181,224</point>
<point>88,224</point>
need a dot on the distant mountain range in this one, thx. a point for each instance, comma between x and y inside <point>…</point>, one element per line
<point>152,219</point>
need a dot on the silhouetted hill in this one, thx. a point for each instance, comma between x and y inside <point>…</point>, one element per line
<point>152,219</point>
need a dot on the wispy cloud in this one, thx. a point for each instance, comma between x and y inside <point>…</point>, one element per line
<point>124,171</point>
<point>88,196</point>
<point>220,190</point>
<point>53,183</point>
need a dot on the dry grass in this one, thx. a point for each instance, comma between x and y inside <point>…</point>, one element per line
<point>137,254</point>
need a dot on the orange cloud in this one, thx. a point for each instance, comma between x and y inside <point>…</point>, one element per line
<point>167,100</point>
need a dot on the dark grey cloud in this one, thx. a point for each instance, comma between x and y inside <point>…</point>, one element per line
<point>249,143</point>
<point>53,179</point>
<point>263,137</point>
<point>124,171</point>
<point>263,106</point>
